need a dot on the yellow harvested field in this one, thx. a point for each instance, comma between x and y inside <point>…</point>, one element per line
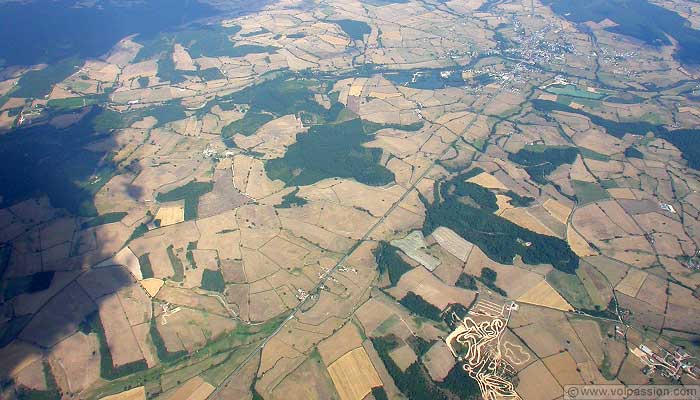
<point>467,75</point>
<point>9,84</point>
<point>273,138</point>
<point>344,340</point>
<point>356,88</point>
<point>578,243</point>
<point>579,172</point>
<point>375,200</point>
<point>145,68</point>
<point>250,178</point>
<point>101,71</point>
<point>503,203</point>
<point>520,216</point>
<point>382,95</point>
<point>334,40</point>
<point>202,392</point>
<point>354,375</point>
<point>537,383</point>
<point>452,242</point>
<point>13,102</point>
<point>138,393</point>
<point>548,97</point>
<point>690,110</point>
<point>170,215</point>
<point>436,292</point>
<point>632,282</point>
<point>182,59</point>
<point>152,286</point>
<point>59,92</point>
<point>544,295</point>
<point>557,210</point>
<point>128,260</point>
<point>622,193</point>
<point>392,35</point>
<point>6,121</point>
<point>403,356</point>
<point>194,389</point>
<point>564,368</point>
<point>122,343</point>
<point>439,361</point>
<point>488,181</point>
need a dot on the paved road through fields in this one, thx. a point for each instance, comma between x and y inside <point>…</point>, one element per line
<point>347,254</point>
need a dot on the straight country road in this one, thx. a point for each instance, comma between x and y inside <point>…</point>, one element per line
<point>347,254</point>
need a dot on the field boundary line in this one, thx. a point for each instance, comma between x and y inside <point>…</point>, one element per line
<point>346,255</point>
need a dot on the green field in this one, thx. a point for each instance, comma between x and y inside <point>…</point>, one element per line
<point>684,139</point>
<point>468,210</point>
<point>103,219</point>
<point>27,284</point>
<point>190,193</point>
<point>587,153</point>
<point>107,369</point>
<point>213,280</point>
<point>356,30</point>
<point>540,161</point>
<point>571,288</point>
<point>587,192</point>
<point>248,125</point>
<point>37,84</point>
<point>328,151</point>
<point>415,381</point>
<point>68,173</point>
<point>292,200</point>
<point>389,262</point>
<point>574,91</point>
<point>178,268</point>
<point>202,41</point>
<point>164,113</point>
<point>279,96</point>
<point>417,305</point>
<point>633,152</point>
<point>214,361</point>
<point>145,264</point>
<point>50,393</point>
<point>73,103</point>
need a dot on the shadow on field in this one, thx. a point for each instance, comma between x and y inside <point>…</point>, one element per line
<point>41,31</point>
<point>60,262</point>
